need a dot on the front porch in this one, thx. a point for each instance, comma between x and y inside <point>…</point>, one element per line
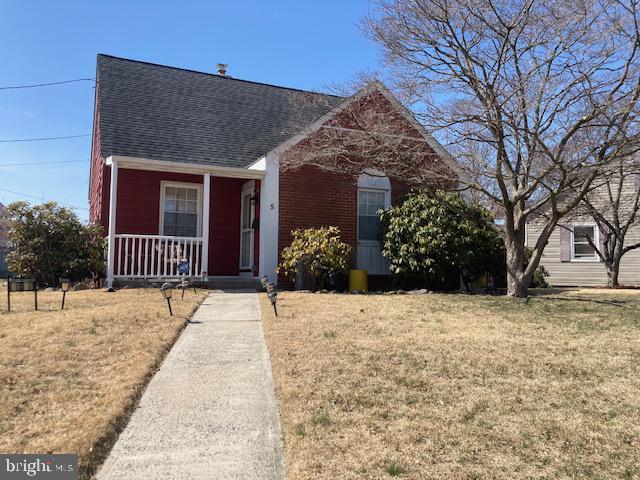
<point>167,220</point>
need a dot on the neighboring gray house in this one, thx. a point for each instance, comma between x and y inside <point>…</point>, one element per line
<point>4,241</point>
<point>569,257</point>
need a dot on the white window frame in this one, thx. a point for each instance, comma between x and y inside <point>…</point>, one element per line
<point>248,189</point>
<point>596,241</point>
<point>194,186</point>
<point>387,204</point>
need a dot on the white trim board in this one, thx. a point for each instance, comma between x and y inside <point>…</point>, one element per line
<point>137,163</point>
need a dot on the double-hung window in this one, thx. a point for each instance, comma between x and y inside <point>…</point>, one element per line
<point>581,247</point>
<point>180,209</point>
<point>369,202</point>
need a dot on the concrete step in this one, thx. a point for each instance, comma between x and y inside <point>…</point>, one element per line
<point>233,283</point>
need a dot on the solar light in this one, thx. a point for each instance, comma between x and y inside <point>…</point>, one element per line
<point>167,289</point>
<point>65,284</point>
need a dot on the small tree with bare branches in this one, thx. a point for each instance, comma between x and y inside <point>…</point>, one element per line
<point>535,99</point>
<point>614,204</point>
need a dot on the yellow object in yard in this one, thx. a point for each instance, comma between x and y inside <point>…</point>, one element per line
<point>357,280</point>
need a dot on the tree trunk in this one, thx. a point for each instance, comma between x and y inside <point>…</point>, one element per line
<point>517,282</point>
<point>613,270</point>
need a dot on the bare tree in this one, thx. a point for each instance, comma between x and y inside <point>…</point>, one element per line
<point>534,98</point>
<point>614,204</point>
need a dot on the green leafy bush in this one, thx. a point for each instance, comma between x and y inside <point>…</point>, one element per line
<point>539,279</point>
<point>319,251</point>
<point>49,242</point>
<point>430,236</point>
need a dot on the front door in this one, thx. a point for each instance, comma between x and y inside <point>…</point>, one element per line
<point>246,230</point>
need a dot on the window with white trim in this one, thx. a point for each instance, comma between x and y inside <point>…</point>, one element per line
<point>369,202</point>
<point>581,248</point>
<point>180,209</point>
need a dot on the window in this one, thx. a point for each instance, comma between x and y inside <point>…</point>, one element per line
<point>369,202</point>
<point>180,209</point>
<point>581,248</point>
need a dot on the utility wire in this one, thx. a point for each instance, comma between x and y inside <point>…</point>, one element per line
<point>43,138</point>
<point>18,164</point>
<point>36,197</point>
<point>15,87</point>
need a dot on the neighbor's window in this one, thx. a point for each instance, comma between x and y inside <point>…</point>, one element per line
<point>582,249</point>
<point>369,202</point>
<point>180,211</point>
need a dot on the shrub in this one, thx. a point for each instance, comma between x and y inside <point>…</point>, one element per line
<point>429,236</point>
<point>49,241</point>
<point>319,251</point>
<point>539,279</point>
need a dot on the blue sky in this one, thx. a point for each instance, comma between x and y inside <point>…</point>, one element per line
<point>302,44</point>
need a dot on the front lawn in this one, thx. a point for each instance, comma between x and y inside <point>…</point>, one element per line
<point>444,386</point>
<point>69,379</point>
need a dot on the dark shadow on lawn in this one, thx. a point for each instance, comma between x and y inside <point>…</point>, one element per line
<point>613,303</point>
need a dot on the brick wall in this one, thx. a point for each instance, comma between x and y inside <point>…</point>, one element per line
<point>310,197</point>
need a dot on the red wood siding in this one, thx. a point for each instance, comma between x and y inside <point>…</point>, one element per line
<point>139,199</point>
<point>224,226</point>
<point>139,212</point>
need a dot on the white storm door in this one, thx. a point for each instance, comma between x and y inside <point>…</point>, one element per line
<point>369,257</point>
<point>246,231</point>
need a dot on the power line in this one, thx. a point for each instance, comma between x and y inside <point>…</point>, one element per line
<point>36,197</point>
<point>43,138</point>
<point>18,164</point>
<point>15,87</point>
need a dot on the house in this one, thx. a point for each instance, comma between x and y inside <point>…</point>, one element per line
<point>185,173</point>
<point>571,259</point>
<point>4,241</point>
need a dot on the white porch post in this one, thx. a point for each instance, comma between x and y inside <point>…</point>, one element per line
<point>206,201</point>
<point>111,246</point>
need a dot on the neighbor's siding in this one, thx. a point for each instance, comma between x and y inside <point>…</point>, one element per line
<point>588,274</point>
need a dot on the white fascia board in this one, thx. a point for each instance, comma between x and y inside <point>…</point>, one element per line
<point>260,164</point>
<point>137,163</point>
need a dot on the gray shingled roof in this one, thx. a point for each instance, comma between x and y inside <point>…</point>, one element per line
<point>165,113</point>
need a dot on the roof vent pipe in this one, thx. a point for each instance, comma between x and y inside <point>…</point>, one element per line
<point>222,68</point>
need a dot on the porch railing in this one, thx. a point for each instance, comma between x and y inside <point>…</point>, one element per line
<point>156,256</point>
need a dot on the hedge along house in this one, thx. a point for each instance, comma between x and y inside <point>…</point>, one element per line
<point>185,167</point>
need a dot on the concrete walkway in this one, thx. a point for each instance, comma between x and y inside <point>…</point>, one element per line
<point>210,411</point>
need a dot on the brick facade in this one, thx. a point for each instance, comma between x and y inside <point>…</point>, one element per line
<point>312,198</point>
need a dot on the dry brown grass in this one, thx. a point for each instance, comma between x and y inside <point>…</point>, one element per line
<point>455,386</point>
<point>69,379</point>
